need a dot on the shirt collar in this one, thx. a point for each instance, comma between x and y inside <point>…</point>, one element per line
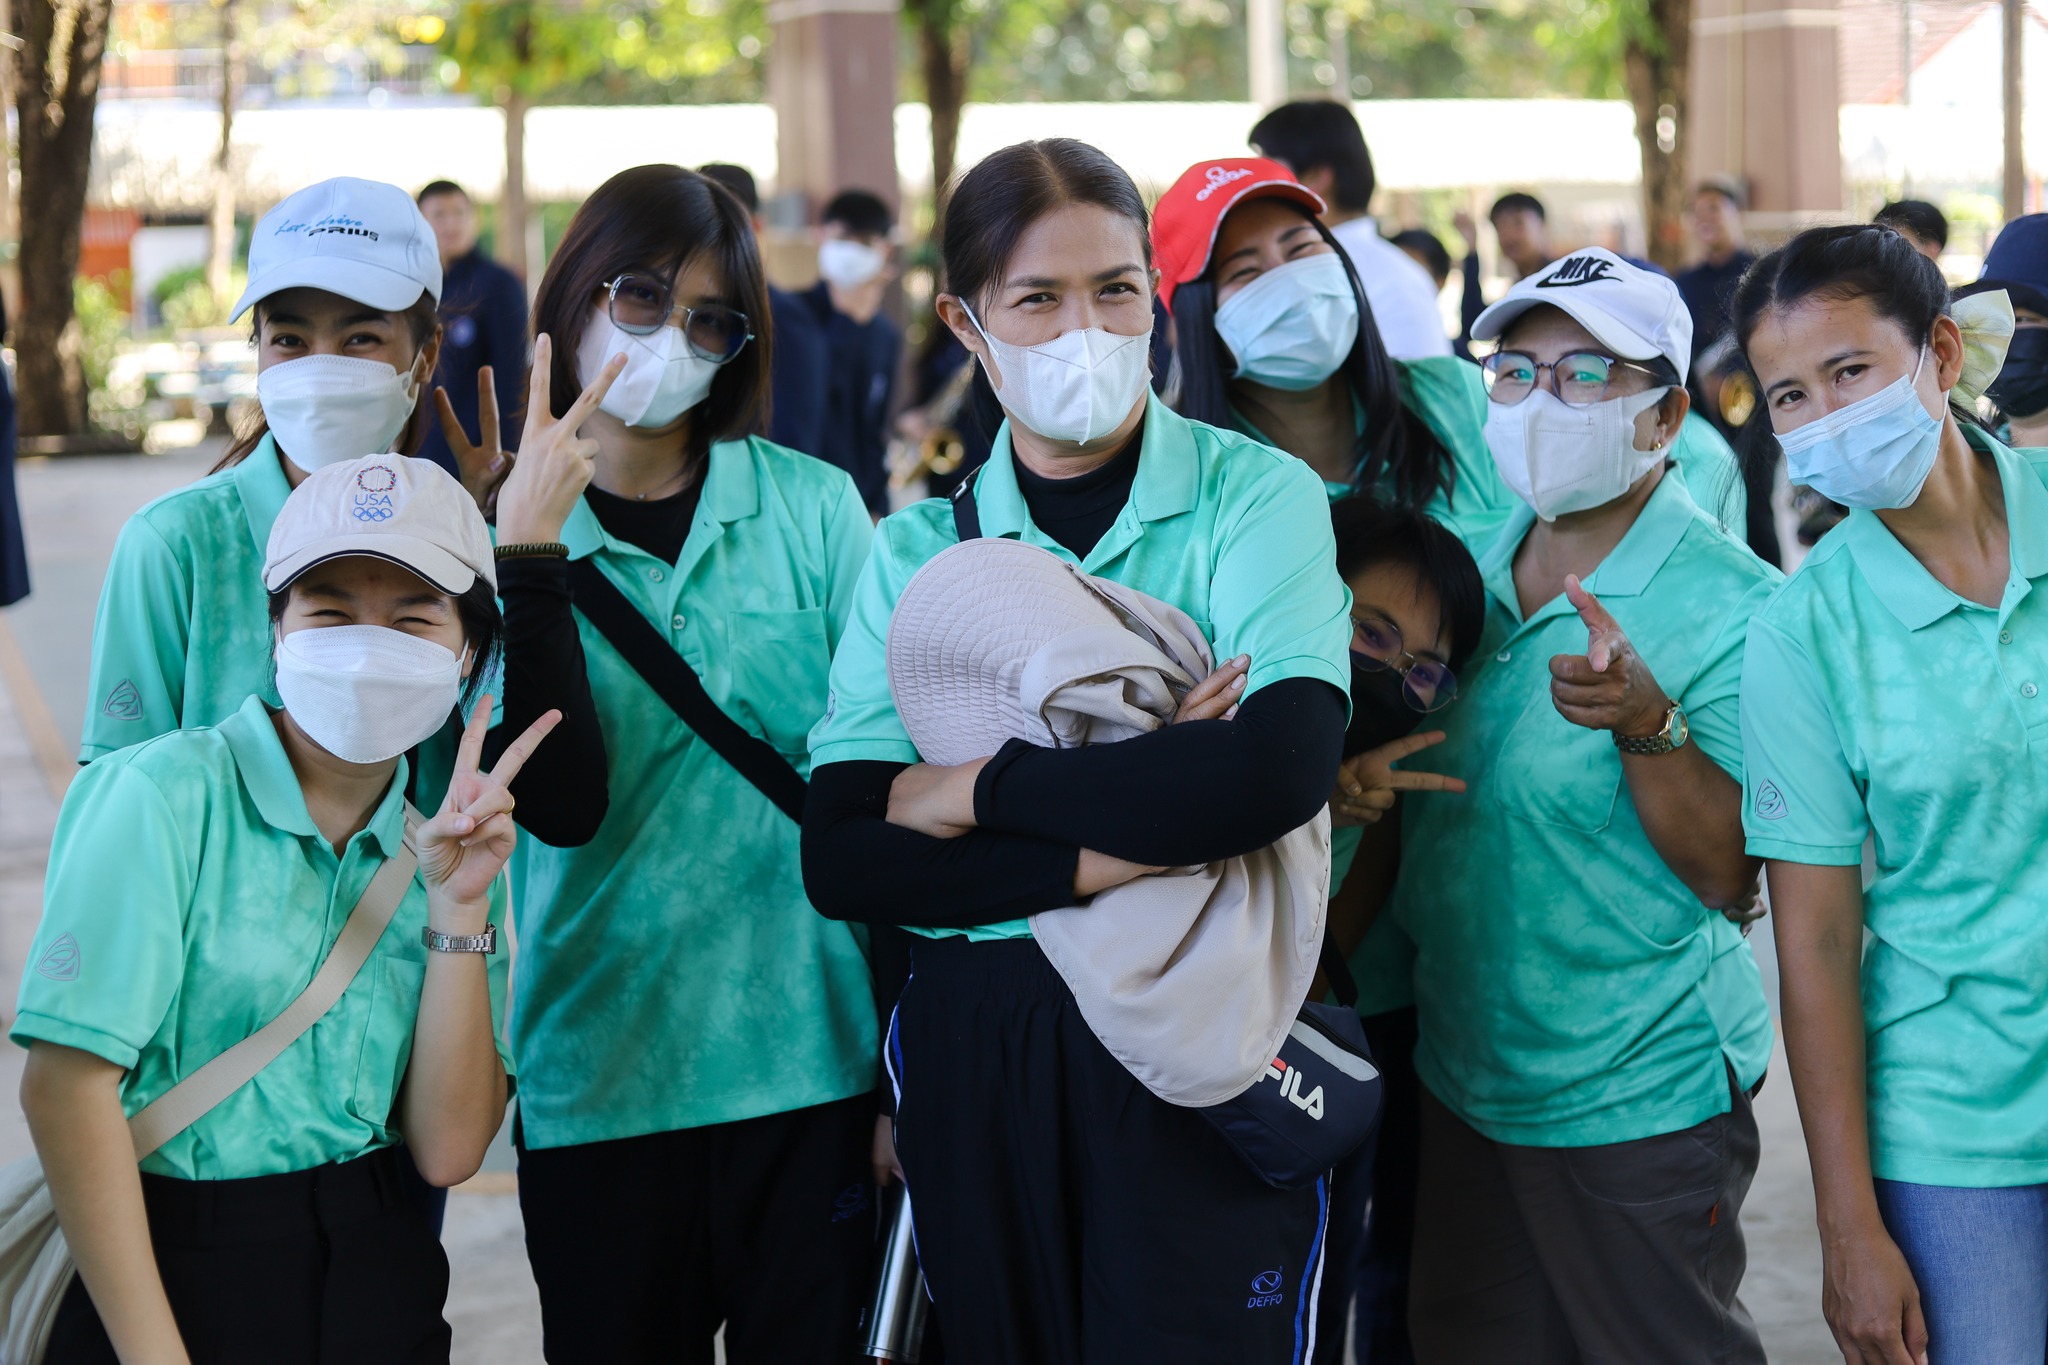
<point>1169,470</point>
<point>260,480</point>
<point>732,493</point>
<point>1903,583</point>
<point>267,776</point>
<point>1630,566</point>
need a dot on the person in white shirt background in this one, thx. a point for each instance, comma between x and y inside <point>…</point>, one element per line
<point>1321,142</point>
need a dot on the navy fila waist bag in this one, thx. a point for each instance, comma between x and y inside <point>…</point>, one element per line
<point>1317,1102</point>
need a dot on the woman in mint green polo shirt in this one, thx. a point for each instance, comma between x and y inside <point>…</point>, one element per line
<point>1063,1212</point>
<point>697,1049</point>
<point>344,279</point>
<point>196,884</point>
<point>1589,1020</point>
<point>1896,690</point>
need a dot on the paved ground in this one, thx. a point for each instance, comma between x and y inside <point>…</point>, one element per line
<point>74,508</point>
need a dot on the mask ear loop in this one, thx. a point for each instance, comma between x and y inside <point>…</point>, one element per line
<point>966,308</point>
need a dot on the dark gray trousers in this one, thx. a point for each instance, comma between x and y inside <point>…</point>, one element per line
<point>1622,1254</point>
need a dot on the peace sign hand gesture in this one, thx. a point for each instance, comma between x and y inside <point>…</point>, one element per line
<point>1368,784</point>
<point>555,464</point>
<point>1609,687</point>
<point>482,465</point>
<point>464,847</point>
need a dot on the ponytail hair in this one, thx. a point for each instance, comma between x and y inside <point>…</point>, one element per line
<point>994,202</point>
<point>1396,449</point>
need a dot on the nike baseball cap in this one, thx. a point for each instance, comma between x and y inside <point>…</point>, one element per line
<point>1636,312</point>
<point>411,512</point>
<point>1191,213</point>
<point>362,239</point>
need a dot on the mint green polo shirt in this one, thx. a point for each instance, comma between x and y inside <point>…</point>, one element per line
<point>183,635</point>
<point>1878,702</point>
<point>672,973</point>
<point>190,899</point>
<point>1571,990</point>
<point>1232,532</point>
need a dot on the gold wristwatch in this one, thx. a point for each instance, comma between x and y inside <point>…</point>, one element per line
<point>1672,736</point>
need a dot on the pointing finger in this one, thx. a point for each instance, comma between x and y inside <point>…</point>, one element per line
<point>540,409</point>
<point>471,751</point>
<point>451,426</point>
<point>1394,750</point>
<point>1424,782</point>
<point>487,408</point>
<point>519,750</point>
<point>1588,606</point>
<point>587,401</point>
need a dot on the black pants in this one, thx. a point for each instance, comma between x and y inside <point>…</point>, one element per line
<point>1372,1212</point>
<point>1065,1215</point>
<point>331,1266</point>
<point>644,1246</point>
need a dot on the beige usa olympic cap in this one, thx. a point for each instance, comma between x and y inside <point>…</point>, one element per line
<point>411,512</point>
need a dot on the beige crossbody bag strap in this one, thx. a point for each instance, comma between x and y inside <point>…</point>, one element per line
<point>185,1103</point>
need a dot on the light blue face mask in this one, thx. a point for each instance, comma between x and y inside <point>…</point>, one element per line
<point>1875,453</point>
<point>1293,326</point>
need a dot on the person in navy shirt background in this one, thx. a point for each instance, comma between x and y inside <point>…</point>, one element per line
<point>483,321</point>
<point>862,345</point>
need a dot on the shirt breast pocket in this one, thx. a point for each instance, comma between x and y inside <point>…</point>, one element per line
<point>1552,772</point>
<point>779,663</point>
<point>395,985</point>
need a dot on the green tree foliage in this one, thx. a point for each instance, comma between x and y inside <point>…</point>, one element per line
<point>621,52</point>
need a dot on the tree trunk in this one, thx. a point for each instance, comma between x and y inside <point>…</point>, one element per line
<point>512,210</point>
<point>1657,58</point>
<point>58,82</point>
<point>943,48</point>
<point>220,259</point>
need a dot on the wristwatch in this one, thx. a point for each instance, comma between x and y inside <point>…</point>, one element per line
<point>1672,736</point>
<point>486,942</point>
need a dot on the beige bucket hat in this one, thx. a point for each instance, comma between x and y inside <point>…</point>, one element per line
<point>1191,978</point>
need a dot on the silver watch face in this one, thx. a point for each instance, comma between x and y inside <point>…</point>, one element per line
<point>1676,729</point>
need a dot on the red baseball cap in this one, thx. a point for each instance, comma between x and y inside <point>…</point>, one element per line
<point>1190,214</point>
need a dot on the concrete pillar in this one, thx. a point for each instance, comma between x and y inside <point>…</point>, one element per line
<point>832,80</point>
<point>1765,108</point>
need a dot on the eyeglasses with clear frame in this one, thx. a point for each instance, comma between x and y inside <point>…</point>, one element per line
<point>1578,380</point>
<point>642,305</point>
<point>1376,645</point>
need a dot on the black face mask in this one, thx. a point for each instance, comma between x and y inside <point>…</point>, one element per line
<point>1380,713</point>
<point>2021,389</point>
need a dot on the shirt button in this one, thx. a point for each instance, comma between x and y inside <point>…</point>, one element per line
<point>655,574</point>
<point>2029,691</point>
<point>2005,637</point>
<point>676,620</point>
<point>1503,656</point>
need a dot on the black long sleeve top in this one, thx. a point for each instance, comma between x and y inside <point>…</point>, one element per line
<point>1181,795</point>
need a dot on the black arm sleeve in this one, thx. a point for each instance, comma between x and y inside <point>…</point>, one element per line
<point>561,792</point>
<point>858,866</point>
<point>1182,795</point>
<point>1471,298</point>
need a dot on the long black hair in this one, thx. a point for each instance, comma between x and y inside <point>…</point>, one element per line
<point>997,199</point>
<point>1397,451</point>
<point>661,218</point>
<point>1372,531</point>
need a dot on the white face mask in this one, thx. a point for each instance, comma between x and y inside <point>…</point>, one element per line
<point>366,693</point>
<point>1561,459</point>
<point>1076,387</point>
<point>663,378</point>
<point>1876,453</point>
<point>850,264</point>
<point>324,409</point>
<point>1293,326</point>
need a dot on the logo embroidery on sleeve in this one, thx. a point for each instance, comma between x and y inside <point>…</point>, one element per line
<point>124,702</point>
<point>61,962</point>
<point>1770,802</point>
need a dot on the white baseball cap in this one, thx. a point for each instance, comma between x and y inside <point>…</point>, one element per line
<point>362,239</point>
<point>411,512</point>
<point>1637,312</point>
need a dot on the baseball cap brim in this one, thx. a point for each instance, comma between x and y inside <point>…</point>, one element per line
<point>1293,191</point>
<point>1625,341</point>
<point>424,558</point>
<point>390,290</point>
